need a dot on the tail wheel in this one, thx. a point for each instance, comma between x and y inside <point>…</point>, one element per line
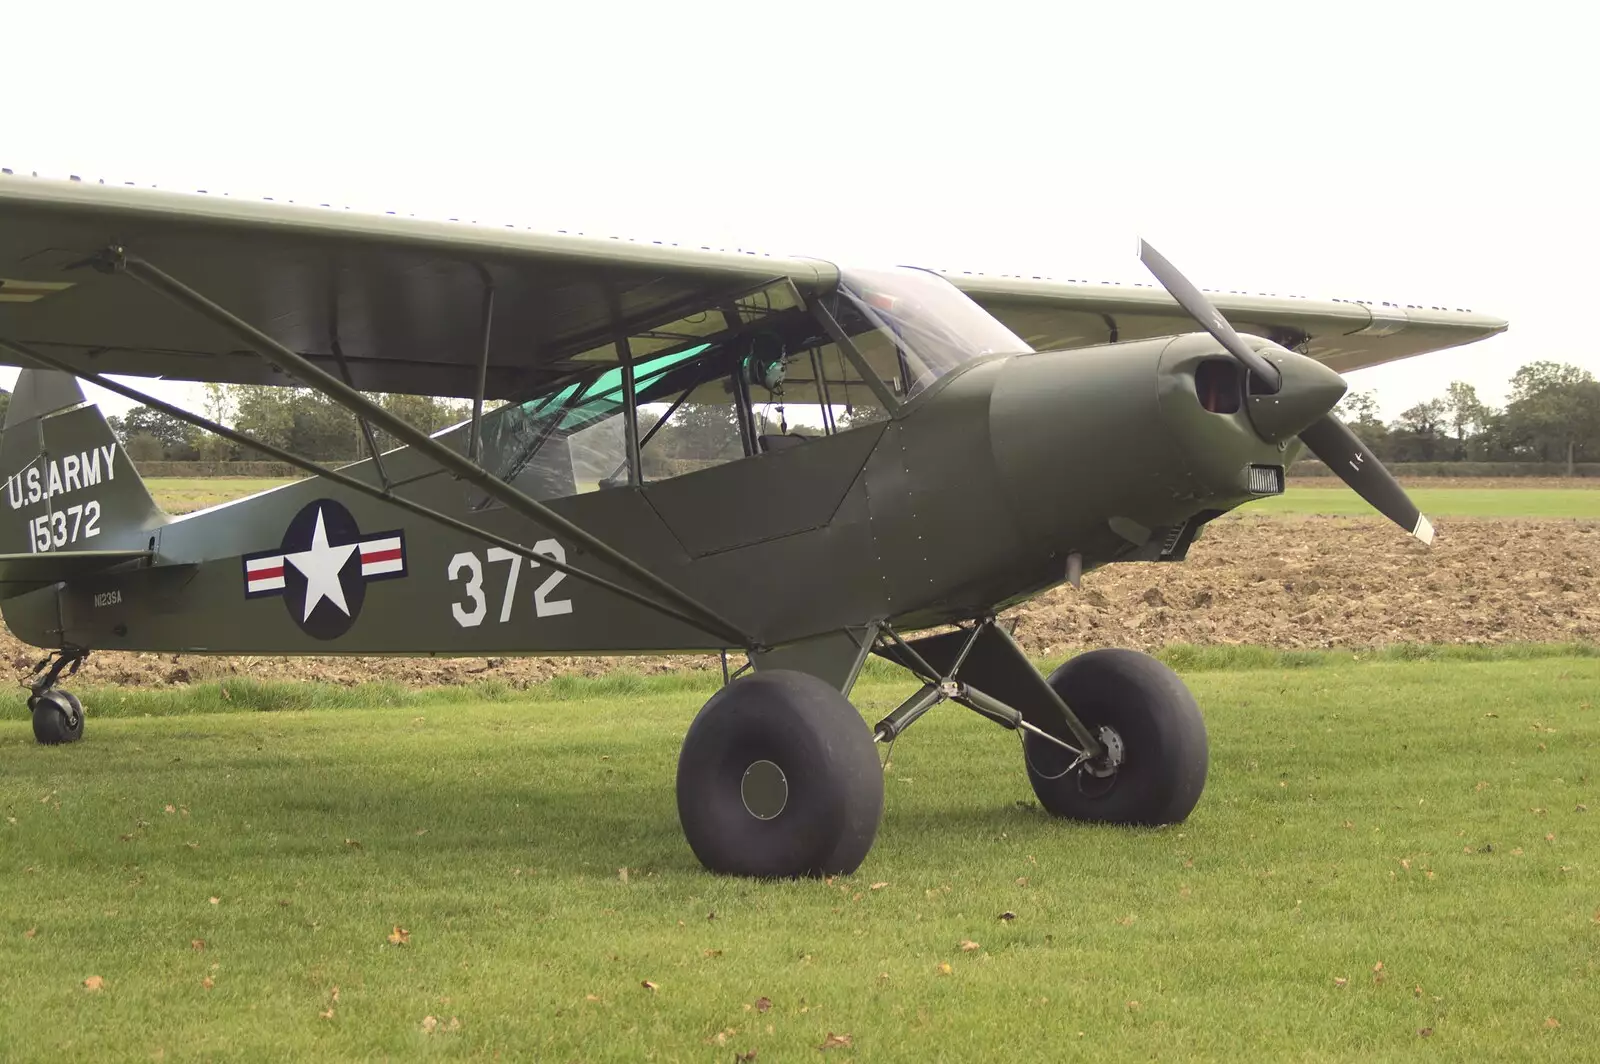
<point>779,777</point>
<point>1154,767</point>
<point>57,717</point>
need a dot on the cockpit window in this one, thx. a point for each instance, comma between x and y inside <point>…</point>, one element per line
<point>932,324</point>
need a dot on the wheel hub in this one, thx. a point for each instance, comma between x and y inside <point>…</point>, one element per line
<point>765,790</point>
<point>1107,765</point>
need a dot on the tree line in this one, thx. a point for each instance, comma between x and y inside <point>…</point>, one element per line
<point>1553,415</point>
<point>299,420</point>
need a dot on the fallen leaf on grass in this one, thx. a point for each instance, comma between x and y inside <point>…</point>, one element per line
<point>712,952</point>
<point>214,900</point>
<point>1551,1022</point>
<point>721,1037</point>
<point>1128,921</point>
<point>744,1058</point>
<point>94,982</point>
<point>648,985</point>
<point>878,886</point>
<point>944,968</point>
<point>399,936</point>
<point>172,808</point>
<point>326,1014</point>
<point>1550,837</point>
<point>197,944</point>
<point>1340,981</point>
<point>1426,1032</point>
<point>1134,1006</point>
<point>969,946</point>
<point>429,1024</point>
<point>333,995</point>
<point>32,931</point>
<point>1007,916</point>
<point>835,1041</point>
<point>208,982</point>
<point>354,844</point>
<point>763,1004</point>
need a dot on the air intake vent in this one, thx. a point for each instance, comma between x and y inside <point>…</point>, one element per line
<point>1266,480</point>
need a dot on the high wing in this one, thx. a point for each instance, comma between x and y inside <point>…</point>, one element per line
<point>399,304</point>
<point>1343,334</point>
<point>402,300</point>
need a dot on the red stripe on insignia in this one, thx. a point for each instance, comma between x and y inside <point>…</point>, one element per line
<point>382,556</point>
<point>266,574</point>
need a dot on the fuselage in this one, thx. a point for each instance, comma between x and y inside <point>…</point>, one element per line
<point>978,492</point>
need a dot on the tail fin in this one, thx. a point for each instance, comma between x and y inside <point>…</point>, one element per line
<point>69,485</point>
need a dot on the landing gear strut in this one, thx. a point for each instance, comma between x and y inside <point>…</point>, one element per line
<point>1111,736</point>
<point>1154,765</point>
<point>57,713</point>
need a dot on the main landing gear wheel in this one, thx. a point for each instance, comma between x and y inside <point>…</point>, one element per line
<point>1154,767</point>
<point>779,777</point>
<point>57,717</point>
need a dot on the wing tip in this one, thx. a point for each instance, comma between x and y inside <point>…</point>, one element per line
<point>1423,530</point>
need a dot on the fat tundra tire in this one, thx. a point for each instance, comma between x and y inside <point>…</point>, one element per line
<point>779,777</point>
<point>1143,706</point>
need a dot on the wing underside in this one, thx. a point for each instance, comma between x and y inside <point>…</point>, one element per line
<point>396,304</point>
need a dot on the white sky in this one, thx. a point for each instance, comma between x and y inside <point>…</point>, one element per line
<point>1436,153</point>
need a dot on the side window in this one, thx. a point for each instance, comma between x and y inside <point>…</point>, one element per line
<point>573,440</point>
<point>850,400</point>
<point>695,429</point>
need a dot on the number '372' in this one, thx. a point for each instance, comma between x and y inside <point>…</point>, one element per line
<point>469,567</point>
<point>61,527</point>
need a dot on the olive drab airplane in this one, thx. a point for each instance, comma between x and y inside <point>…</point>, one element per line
<point>669,449</point>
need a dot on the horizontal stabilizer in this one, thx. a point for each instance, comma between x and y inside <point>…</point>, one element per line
<point>25,572</point>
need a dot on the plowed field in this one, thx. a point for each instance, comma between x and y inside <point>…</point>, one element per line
<point>1280,582</point>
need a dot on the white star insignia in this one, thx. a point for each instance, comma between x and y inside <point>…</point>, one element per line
<point>321,565</point>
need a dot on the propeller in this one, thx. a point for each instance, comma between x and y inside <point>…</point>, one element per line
<point>1328,438</point>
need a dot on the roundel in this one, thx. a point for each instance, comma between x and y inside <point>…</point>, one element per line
<point>322,568</point>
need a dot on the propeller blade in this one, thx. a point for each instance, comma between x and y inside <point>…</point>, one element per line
<point>1343,452</point>
<point>1210,318</point>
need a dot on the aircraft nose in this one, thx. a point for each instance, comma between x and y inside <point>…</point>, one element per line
<point>1309,390</point>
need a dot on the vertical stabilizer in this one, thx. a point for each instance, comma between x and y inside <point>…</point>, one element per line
<point>69,485</point>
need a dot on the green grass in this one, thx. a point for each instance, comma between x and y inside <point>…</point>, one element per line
<point>1439,502</point>
<point>180,495</point>
<point>232,695</point>
<point>1422,814</point>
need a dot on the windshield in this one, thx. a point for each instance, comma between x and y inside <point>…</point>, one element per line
<point>933,325</point>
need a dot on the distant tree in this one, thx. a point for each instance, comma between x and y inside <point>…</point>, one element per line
<point>426,412</point>
<point>1416,435</point>
<point>267,413</point>
<point>175,437</point>
<point>1359,410</point>
<point>1465,415</point>
<point>143,447</point>
<point>5,405</point>
<point>221,405</point>
<point>1555,412</point>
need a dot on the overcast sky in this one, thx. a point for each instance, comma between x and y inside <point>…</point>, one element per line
<point>1435,153</point>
